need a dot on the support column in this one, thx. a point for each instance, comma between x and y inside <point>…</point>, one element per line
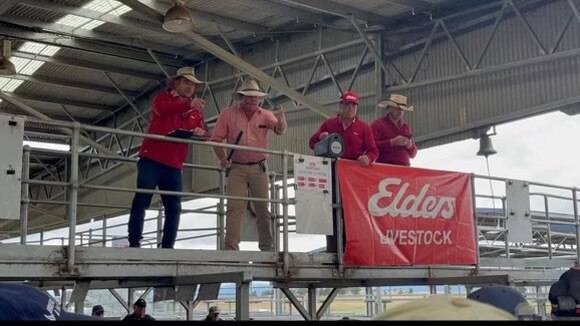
<point>24,195</point>
<point>312,303</point>
<point>243,301</point>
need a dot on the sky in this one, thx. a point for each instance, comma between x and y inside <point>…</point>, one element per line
<point>539,149</point>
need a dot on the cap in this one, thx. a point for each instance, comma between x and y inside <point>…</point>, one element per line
<point>500,296</point>
<point>444,307</point>
<point>214,309</point>
<point>24,302</point>
<point>349,97</point>
<point>140,303</point>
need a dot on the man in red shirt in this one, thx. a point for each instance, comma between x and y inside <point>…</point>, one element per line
<point>160,162</point>
<point>392,134</point>
<point>247,124</point>
<point>356,135</point>
<point>358,143</point>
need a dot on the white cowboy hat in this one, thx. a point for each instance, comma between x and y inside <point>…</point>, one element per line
<point>396,100</point>
<point>250,88</point>
<point>187,72</point>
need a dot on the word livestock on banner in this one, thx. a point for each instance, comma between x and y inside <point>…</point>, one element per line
<point>398,215</point>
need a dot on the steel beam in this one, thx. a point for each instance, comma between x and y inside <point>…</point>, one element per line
<point>507,117</point>
<point>292,298</point>
<point>129,101</point>
<point>326,304</point>
<point>59,100</point>
<point>336,9</point>
<point>94,66</point>
<point>69,84</point>
<point>491,69</point>
<point>119,41</point>
<point>235,61</point>
<point>35,113</point>
<point>413,4</point>
<point>77,43</point>
<point>298,14</point>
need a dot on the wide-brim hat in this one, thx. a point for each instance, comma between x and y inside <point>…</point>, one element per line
<point>186,72</point>
<point>398,101</point>
<point>250,88</point>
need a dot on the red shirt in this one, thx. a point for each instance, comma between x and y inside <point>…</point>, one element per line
<point>357,138</point>
<point>169,113</point>
<point>383,131</point>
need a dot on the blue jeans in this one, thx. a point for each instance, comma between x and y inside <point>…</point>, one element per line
<point>151,174</point>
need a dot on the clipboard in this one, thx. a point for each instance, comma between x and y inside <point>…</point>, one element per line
<point>186,134</point>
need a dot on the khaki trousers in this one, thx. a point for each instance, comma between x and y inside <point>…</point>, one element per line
<point>240,179</point>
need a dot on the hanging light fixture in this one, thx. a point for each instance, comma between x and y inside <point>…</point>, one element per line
<point>7,68</point>
<point>177,19</point>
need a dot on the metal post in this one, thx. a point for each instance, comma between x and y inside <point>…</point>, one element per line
<point>74,190</point>
<point>274,212</point>
<point>243,301</point>
<point>312,303</point>
<point>79,307</point>
<point>368,303</point>
<point>91,233</point>
<point>221,211</point>
<point>63,298</point>
<point>546,207</point>
<point>575,205</point>
<point>24,195</point>
<point>339,223</point>
<point>159,224</point>
<point>475,222</point>
<point>286,257</point>
<point>378,302</point>
<point>104,230</point>
<point>41,237</point>
<point>379,74</point>
<point>279,308</point>
<point>540,302</point>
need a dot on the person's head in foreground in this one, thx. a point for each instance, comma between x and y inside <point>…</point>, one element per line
<point>506,298</point>
<point>444,308</point>
<point>24,302</point>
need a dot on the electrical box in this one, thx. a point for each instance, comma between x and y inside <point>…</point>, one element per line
<point>11,138</point>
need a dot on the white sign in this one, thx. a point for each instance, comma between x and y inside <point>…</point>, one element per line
<point>313,183</point>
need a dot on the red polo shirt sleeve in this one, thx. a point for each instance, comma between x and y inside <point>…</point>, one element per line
<point>165,104</point>
<point>315,137</point>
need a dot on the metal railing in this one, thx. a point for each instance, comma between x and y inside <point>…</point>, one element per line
<point>73,186</point>
<point>491,231</point>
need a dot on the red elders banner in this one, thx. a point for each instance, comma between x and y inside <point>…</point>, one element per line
<point>397,215</point>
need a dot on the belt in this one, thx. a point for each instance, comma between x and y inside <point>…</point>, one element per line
<point>249,163</point>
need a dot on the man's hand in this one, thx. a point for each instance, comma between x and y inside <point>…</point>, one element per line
<point>323,135</point>
<point>364,160</point>
<point>174,93</point>
<point>197,103</point>
<point>279,112</point>
<point>409,143</point>
<point>399,141</point>
<point>225,163</point>
<point>199,131</point>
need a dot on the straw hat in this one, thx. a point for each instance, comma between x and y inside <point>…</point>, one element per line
<point>398,101</point>
<point>250,88</point>
<point>187,72</point>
